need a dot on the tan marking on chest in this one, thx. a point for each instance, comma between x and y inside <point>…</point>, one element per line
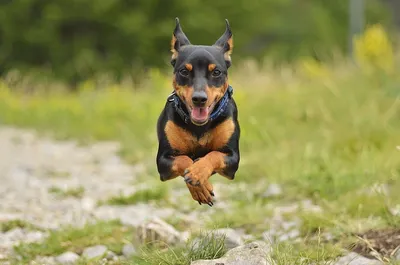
<point>219,136</point>
<point>185,142</point>
<point>179,138</point>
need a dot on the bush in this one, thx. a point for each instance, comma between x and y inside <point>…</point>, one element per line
<point>78,39</point>
<point>373,50</point>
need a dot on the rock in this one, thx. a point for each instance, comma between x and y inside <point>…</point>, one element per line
<point>34,236</point>
<point>397,255</point>
<point>43,261</point>
<point>95,252</point>
<point>273,190</point>
<point>286,209</point>
<point>232,238</point>
<point>15,234</point>
<point>110,255</point>
<point>288,225</point>
<point>3,256</point>
<point>88,204</point>
<point>282,230</point>
<point>185,235</point>
<point>255,253</point>
<point>395,210</point>
<point>309,206</point>
<point>132,215</point>
<point>67,258</point>
<point>158,230</point>
<point>289,235</point>
<point>128,250</point>
<point>355,259</point>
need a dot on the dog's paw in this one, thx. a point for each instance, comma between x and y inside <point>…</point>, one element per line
<point>198,173</point>
<point>202,193</point>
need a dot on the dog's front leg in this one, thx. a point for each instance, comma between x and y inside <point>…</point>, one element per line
<point>223,163</point>
<point>170,167</point>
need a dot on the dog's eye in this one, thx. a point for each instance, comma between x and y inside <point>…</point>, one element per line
<point>184,72</point>
<point>216,73</point>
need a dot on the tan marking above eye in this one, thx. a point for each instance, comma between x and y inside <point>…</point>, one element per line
<point>189,66</point>
<point>211,67</point>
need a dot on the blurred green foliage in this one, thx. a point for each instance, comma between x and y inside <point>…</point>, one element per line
<point>77,39</point>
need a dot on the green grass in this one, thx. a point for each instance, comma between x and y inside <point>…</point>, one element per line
<point>311,253</point>
<point>112,234</point>
<point>328,138</point>
<point>155,193</point>
<point>77,192</point>
<point>6,226</point>
<point>207,246</point>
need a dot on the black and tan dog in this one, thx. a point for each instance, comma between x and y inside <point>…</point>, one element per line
<point>198,130</point>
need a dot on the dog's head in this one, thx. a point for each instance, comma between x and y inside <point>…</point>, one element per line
<point>200,72</point>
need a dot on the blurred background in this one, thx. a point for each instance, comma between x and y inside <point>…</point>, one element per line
<point>82,84</point>
<point>79,39</point>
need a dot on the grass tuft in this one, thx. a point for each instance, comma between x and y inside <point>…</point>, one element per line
<point>207,245</point>
<point>17,223</point>
<point>72,192</point>
<point>154,194</point>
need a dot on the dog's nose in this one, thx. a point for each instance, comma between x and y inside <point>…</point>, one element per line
<point>199,98</point>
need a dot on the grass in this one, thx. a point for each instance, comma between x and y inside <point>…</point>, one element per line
<point>207,245</point>
<point>17,223</point>
<point>315,253</point>
<point>156,193</point>
<point>327,134</point>
<point>112,234</point>
<point>77,192</point>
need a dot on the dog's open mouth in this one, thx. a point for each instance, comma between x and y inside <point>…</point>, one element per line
<point>200,115</point>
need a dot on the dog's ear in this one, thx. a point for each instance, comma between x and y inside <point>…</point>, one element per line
<point>179,39</point>
<point>225,42</point>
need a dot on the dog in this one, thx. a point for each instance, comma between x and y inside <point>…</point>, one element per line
<point>198,130</point>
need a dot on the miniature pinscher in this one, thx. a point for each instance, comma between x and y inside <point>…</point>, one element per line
<point>198,129</point>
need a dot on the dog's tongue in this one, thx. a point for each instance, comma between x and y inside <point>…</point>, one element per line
<point>199,114</point>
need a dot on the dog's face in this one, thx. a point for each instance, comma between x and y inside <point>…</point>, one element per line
<point>200,72</point>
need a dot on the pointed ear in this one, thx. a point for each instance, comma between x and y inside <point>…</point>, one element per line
<point>179,39</point>
<point>225,42</point>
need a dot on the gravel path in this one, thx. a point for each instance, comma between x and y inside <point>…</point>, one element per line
<point>31,166</point>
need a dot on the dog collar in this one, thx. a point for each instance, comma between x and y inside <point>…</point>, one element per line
<point>223,102</point>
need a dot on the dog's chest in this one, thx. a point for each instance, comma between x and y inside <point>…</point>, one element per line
<point>184,142</point>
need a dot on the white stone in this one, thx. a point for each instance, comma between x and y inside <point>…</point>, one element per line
<point>67,258</point>
<point>273,190</point>
<point>94,252</point>
<point>158,230</point>
<point>355,259</point>
<point>232,238</point>
<point>397,254</point>
<point>128,250</point>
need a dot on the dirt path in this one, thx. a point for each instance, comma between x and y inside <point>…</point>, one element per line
<point>31,167</point>
<point>35,172</point>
